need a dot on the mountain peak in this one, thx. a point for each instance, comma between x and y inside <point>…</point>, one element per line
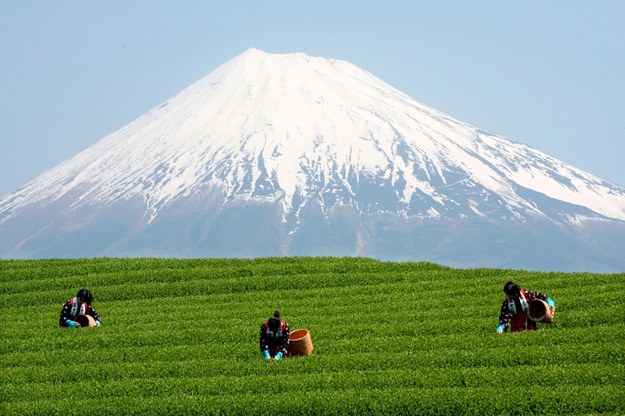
<point>291,127</point>
<point>297,131</point>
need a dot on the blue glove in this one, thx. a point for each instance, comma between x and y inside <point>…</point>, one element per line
<point>97,324</point>
<point>71,324</point>
<point>551,303</point>
<point>278,356</point>
<point>501,328</point>
<point>266,355</point>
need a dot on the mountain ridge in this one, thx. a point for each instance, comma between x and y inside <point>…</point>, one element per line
<point>306,134</point>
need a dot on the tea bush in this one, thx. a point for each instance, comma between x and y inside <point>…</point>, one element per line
<point>181,337</point>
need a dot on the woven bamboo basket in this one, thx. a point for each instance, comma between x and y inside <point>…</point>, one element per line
<point>85,321</point>
<point>540,311</point>
<point>300,342</point>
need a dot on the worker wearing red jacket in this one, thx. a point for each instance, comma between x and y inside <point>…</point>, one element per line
<point>76,307</point>
<point>515,307</point>
<point>274,337</point>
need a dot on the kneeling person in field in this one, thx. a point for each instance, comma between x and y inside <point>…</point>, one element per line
<point>514,310</point>
<point>274,337</point>
<point>78,312</point>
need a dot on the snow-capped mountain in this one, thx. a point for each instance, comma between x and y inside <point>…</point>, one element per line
<point>282,154</point>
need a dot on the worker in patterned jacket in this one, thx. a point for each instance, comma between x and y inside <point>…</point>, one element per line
<point>274,337</point>
<point>76,310</point>
<point>515,307</point>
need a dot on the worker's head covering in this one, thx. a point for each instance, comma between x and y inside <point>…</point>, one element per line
<point>276,320</point>
<point>511,289</point>
<point>84,296</point>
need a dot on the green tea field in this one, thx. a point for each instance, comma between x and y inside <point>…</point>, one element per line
<point>181,337</point>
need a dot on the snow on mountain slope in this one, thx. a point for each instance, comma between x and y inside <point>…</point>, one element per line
<point>289,128</point>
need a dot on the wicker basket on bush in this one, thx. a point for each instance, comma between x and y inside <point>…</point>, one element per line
<point>85,321</point>
<point>300,342</point>
<point>540,311</point>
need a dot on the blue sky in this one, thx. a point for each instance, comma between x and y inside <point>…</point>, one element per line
<point>548,74</point>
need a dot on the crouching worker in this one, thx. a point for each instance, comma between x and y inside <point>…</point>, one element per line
<point>274,337</point>
<point>514,310</point>
<point>78,312</point>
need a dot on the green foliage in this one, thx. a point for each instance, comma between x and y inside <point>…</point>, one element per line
<point>181,337</point>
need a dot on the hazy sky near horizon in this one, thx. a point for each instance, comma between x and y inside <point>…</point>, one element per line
<point>547,74</point>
